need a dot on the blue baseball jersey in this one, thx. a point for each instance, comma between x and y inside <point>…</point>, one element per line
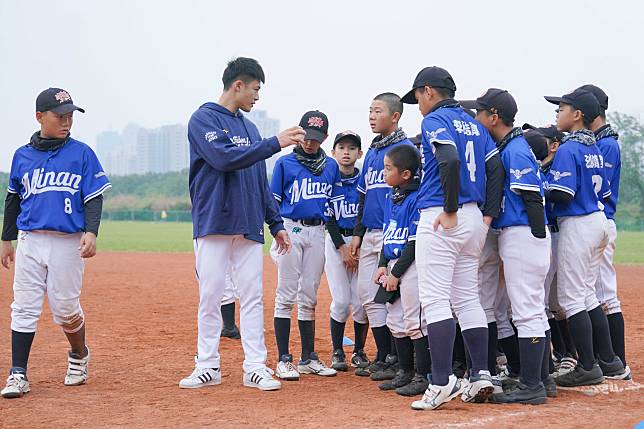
<point>521,174</point>
<point>300,193</point>
<point>612,168</point>
<point>451,125</point>
<point>401,223</point>
<point>372,184</point>
<point>343,205</point>
<point>54,186</point>
<point>578,169</point>
<point>549,207</point>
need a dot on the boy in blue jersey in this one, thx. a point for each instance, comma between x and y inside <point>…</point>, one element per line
<point>522,242</point>
<point>340,267</point>
<point>384,113</point>
<point>577,187</point>
<point>54,203</point>
<point>606,286</point>
<point>302,184</point>
<point>231,200</point>
<point>462,171</point>
<point>397,271</point>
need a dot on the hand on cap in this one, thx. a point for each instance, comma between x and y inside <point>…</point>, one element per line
<point>291,136</point>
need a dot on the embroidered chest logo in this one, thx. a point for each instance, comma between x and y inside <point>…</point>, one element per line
<point>41,182</point>
<point>309,190</point>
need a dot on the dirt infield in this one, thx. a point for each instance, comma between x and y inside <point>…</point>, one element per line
<point>141,312</point>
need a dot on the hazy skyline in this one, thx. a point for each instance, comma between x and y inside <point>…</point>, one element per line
<point>154,62</point>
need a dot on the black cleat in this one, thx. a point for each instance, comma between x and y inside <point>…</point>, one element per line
<point>232,333</point>
<point>580,377</point>
<point>611,369</point>
<point>388,371</point>
<point>522,394</point>
<point>359,359</point>
<point>338,361</point>
<point>401,379</point>
<point>372,368</point>
<point>551,387</point>
<point>416,387</point>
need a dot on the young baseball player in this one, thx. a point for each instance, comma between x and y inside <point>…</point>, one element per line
<point>340,267</point>
<point>302,183</point>
<point>577,187</point>
<point>397,271</point>
<point>384,114</point>
<point>606,286</point>
<point>521,220</point>
<point>53,208</point>
<point>462,169</point>
<point>230,202</point>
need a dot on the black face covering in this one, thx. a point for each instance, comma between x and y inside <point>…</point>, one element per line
<point>313,162</point>
<point>44,144</point>
<point>399,193</point>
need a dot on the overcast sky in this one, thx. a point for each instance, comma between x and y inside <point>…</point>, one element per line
<point>155,62</point>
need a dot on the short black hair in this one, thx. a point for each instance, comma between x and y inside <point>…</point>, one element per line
<point>602,113</point>
<point>392,101</point>
<point>445,92</point>
<point>587,122</point>
<point>507,122</point>
<point>405,157</point>
<point>244,69</point>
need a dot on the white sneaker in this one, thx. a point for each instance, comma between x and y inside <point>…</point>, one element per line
<point>435,396</point>
<point>201,377</point>
<point>262,379</point>
<point>315,366</point>
<point>626,375</point>
<point>478,388</point>
<point>76,369</point>
<point>17,385</point>
<point>286,370</point>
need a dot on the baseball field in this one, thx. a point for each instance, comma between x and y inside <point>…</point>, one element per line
<point>140,299</point>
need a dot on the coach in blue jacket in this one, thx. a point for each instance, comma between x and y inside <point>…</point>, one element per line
<point>230,202</point>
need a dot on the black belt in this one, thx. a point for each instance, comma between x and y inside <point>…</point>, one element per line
<point>346,232</point>
<point>553,228</point>
<point>373,229</point>
<point>309,222</point>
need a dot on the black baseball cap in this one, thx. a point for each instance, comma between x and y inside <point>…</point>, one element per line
<point>549,131</point>
<point>580,99</point>
<point>349,135</point>
<point>417,140</point>
<point>495,100</point>
<point>537,142</point>
<point>315,124</point>
<point>56,100</point>
<point>429,76</point>
<point>599,94</point>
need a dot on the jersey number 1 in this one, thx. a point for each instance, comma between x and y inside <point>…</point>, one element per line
<point>469,159</point>
<point>68,206</point>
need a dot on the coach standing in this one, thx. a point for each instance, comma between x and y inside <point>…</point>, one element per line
<point>230,201</point>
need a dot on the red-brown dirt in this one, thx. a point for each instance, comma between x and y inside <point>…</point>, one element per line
<point>141,313</point>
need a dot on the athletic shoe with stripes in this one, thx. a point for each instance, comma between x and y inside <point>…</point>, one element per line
<point>201,377</point>
<point>566,365</point>
<point>315,366</point>
<point>17,385</point>
<point>626,375</point>
<point>478,388</point>
<point>76,369</point>
<point>262,379</point>
<point>435,396</point>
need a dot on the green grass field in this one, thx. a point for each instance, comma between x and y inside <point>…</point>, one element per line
<point>177,237</point>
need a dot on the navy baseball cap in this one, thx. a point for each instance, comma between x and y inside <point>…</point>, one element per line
<point>549,131</point>
<point>537,142</point>
<point>580,99</point>
<point>315,124</point>
<point>429,76</point>
<point>495,100</point>
<point>599,94</point>
<point>56,100</point>
<point>348,135</point>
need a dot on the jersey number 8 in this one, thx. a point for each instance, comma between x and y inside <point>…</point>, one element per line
<point>68,206</point>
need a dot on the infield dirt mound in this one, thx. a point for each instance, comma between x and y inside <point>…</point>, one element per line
<point>141,313</point>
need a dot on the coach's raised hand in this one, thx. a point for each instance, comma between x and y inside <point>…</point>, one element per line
<point>291,136</point>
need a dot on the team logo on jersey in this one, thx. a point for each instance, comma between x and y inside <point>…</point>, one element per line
<point>520,173</point>
<point>556,175</point>
<point>342,209</point>
<point>210,136</point>
<point>594,161</point>
<point>99,174</point>
<point>62,96</point>
<point>467,128</point>
<point>375,178</point>
<point>41,182</point>
<point>395,235</point>
<point>309,190</point>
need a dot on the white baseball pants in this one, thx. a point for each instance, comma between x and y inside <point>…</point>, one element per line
<point>367,267</point>
<point>606,286</point>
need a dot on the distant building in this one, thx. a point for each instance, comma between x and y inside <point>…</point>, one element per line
<point>268,127</point>
<point>139,151</point>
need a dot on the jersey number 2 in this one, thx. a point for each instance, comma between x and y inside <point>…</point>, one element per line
<point>469,158</point>
<point>68,206</point>
<point>597,183</point>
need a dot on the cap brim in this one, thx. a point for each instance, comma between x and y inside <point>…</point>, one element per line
<point>66,108</point>
<point>527,126</point>
<point>410,97</point>
<point>313,134</point>
<point>553,100</point>
<point>472,104</point>
<point>351,137</point>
